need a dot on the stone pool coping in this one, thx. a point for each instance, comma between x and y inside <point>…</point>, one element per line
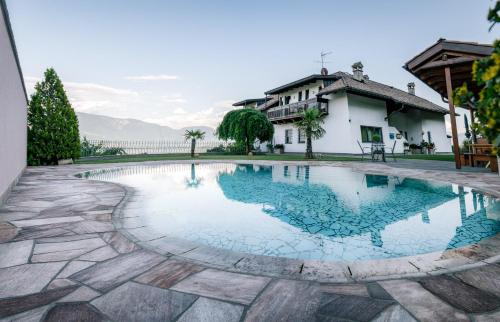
<point>63,259</point>
<point>472,256</point>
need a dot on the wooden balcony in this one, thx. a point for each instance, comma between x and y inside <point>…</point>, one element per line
<point>292,112</point>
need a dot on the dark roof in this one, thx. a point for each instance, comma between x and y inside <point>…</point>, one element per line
<point>371,88</point>
<point>3,8</point>
<point>458,56</point>
<point>303,81</point>
<point>251,100</point>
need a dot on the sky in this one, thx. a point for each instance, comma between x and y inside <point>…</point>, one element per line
<point>183,63</point>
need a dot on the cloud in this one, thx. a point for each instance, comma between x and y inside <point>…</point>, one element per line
<point>160,77</point>
<point>165,109</point>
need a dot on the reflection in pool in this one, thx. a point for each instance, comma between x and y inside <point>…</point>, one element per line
<point>317,212</point>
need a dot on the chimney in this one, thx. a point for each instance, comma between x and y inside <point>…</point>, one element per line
<point>357,71</point>
<point>324,71</point>
<point>411,88</point>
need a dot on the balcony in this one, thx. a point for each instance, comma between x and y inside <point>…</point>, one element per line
<point>291,112</point>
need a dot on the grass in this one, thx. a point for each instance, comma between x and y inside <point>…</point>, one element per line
<point>159,157</point>
<point>277,157</point>
<point>434,157</point>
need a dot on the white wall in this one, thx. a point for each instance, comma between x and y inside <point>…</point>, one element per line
<point>435,124</point>
<point>13,111</point>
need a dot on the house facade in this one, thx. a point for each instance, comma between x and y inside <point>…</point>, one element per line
<point>13,109</point>
<point>356,109</point>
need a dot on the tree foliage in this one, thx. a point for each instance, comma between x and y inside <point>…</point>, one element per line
<point>310,123</point>
<point>245,126</point>
<point>194,135</point>
<point>486,74</point>
<point>52,123</point>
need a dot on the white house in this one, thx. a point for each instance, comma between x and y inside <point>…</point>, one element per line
<point>13,109</point>
<point>356,109</point>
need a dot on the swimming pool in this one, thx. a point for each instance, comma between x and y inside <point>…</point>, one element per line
<point>304,212</point>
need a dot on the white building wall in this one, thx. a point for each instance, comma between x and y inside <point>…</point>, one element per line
<point>348,112</point>
<point>13,111</point>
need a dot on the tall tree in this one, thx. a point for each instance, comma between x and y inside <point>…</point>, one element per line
<point>310,123</point>
<point>194,135</point>
<point>486,74</point>
<point>245,126</point>
<point>52,123</point>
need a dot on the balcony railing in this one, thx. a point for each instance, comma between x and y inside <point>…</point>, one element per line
<point>294,110</point>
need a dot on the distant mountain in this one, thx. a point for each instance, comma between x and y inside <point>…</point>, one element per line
<point>95,126</point>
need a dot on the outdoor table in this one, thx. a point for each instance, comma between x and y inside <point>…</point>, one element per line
<point>378,148</point>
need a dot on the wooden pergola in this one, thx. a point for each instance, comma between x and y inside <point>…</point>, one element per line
<point>445,66</point>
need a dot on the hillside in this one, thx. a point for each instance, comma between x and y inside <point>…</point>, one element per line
<point>95,126</point>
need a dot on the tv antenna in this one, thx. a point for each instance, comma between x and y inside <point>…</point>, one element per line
<point>323,55</point>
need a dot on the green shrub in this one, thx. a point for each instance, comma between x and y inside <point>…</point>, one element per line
<point>52,123</point>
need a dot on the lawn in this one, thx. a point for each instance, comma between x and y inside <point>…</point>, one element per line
<point>281,157</point>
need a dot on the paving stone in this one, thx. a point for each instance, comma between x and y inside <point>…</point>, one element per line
<point>351,307</point>
<point>34,315</point>
<point>119,242</point>
<point>98,217</point>
<point>16,305</point>
<point>92,226</point>
<point>66,238</point>
<point>49,252</point>
<point>346,289</point>
<point>145,233</point>
<point>488,317</point>
<point>73,267</point>
<point>73,312</point>
<point>458,294</point>
<point>223,285</point>
<point>420,303</point>
<point>137,302</point>
<point>45,221</point>
<point>326,272</point>
<point>270,265</point>
<point>15,253</point>
<point>170,245</point>
<point>286,300</point>
<point>216,256</point>
<point>35,232</point>
<point>60,282</point>
<point>395,313</point>
<point>9,216</point>
<point>81,294</point>
<point>100,254</point>
<point>486,278</point>
<point>105,275</point>
<point>207,310</point>
<point>168,273</point>
<point>28,278</point>
<point>7,232</point>
<point>376,291</point>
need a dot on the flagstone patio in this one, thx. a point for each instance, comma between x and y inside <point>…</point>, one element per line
<point>66,255</point>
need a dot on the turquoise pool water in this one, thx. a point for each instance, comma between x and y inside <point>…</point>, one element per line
<point>316,212</point>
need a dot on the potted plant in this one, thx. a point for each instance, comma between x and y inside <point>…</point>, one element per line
<point>406,148</point>
<point>415,148</point>
<point>279,148</point>
<point>270,147</point>
<point>376,138</point>
<point>431,147</point>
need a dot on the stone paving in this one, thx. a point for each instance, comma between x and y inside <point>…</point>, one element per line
<point>64,256</point>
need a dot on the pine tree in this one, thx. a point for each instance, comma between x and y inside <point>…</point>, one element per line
<point>52,123</point>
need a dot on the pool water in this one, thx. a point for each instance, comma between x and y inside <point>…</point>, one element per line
<point>305,212</point>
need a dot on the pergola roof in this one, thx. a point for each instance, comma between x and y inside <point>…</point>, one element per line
<point>428,66</point>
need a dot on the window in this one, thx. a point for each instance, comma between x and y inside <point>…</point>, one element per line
<point>307,94</point>
<point>429,137</point>
<point>300,96</point>
<point>287,100</point>
<point>367,133</point>
<point>406,135</point>
<point>302,136</point>
<point>281,101</point>
<point>288,136</point>
<point>319,89</point>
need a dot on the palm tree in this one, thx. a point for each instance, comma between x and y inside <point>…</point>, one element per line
<point>310,123</point>
<point>194,135</point>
